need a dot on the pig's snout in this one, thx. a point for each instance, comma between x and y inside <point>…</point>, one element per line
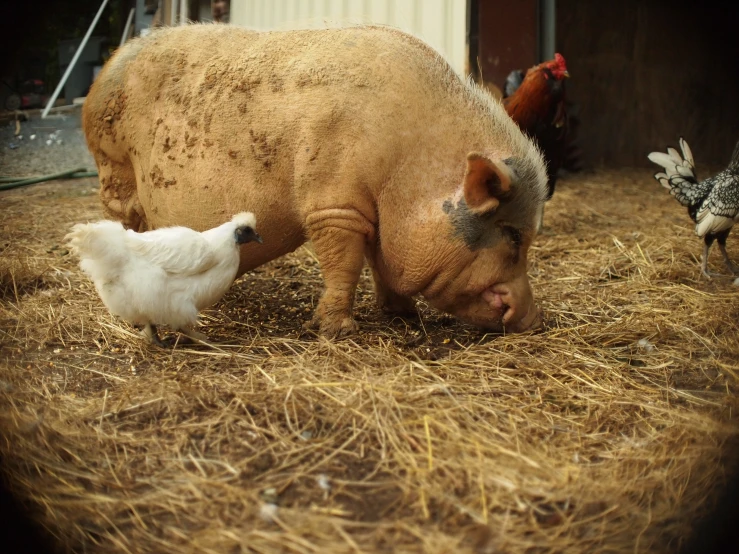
<point>530,321</point>
<point>517,306</point>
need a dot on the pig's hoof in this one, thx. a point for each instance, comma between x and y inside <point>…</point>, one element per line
<point>312,324</point>
<point>339,327</point>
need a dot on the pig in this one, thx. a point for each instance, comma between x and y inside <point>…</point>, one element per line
<point>361,139</point>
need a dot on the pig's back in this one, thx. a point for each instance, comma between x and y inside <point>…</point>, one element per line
<point>196,65</point>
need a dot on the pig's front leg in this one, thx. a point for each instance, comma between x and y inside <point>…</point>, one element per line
<point>339,237</point>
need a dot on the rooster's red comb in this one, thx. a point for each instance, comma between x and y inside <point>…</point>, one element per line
<point>558,66</point>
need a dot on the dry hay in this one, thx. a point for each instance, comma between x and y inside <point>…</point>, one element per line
<point>416,435</point>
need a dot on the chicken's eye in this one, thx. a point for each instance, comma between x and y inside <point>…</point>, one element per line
<point>513,234</point>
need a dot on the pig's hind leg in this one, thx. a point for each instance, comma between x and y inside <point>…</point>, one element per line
<point>339,237</point>
<point>119,193</point>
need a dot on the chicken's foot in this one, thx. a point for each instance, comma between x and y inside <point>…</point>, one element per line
<point>194,335</point>
<point>149,332</point>
<point>734,270</point>
<point>704,262</point>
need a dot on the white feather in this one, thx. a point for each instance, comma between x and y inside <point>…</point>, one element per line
<point>662,159</point>
<point>673,163</point>
<point>159,277</point>
<point>674,156</point>
<point>245,219</point>
<point>684,171</point>
<point>710,223</point>
<point>662,178</point>
<point>687,152</point>
<point>176,250</point>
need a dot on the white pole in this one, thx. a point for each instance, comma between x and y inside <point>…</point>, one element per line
<point>73,62</point>
<point>172,12</point>
<point>127,28</point>
<point>183,12</point>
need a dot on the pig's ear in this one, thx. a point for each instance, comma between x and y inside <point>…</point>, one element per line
<point>485,183</point>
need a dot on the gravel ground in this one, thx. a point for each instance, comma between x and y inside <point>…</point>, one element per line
<point>44,146</point>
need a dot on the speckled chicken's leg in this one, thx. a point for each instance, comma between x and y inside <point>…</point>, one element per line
<point>704,261</point>
<point>722,246</point>
<point>707,243</point>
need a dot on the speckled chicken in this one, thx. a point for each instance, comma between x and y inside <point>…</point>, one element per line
<point>166,276</point>
<point>713,204</point>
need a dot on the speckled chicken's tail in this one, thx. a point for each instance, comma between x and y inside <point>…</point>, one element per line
<point>675,166</point>
<point>679,171</point>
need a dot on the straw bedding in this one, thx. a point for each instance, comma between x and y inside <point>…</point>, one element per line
<point>608,431</point>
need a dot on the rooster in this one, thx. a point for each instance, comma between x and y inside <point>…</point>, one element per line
<point>166,276</point>
<point>713,204</point>
<point>536,102</point>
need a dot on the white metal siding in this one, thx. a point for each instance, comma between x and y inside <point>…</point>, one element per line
<point>441,23</point>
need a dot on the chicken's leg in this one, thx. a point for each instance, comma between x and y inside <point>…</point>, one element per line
<point>707,242</point>
<point>194,335</point>
<point>730,265</point>
<point>704,262</point>
<point>149,332</point>
<point>722,246</point>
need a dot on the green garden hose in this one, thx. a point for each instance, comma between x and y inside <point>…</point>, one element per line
<point>7,183</point>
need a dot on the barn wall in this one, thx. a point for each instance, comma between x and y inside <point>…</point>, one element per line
<point>646,72</point>
<point>441,23</point>
<point>507,38</point>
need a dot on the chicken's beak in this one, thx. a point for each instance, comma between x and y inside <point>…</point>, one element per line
<point>566,74</point>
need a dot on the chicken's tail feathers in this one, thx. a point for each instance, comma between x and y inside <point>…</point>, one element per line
<point>78,237</point>
<point>93,240</point>
<point>679,171</point>
<point>663,179</point>
<point>687,153</point>
<point>673,164</point>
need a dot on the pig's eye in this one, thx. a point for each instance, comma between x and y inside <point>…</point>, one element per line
<point>513,234</point>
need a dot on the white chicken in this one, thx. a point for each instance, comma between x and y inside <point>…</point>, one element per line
<point>166,276</point>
